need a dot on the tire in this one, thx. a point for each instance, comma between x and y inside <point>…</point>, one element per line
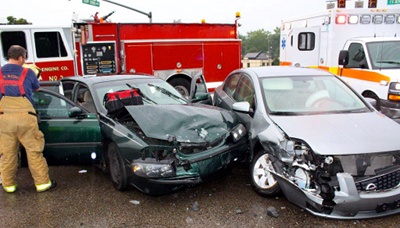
<point>117,168</point>
<point>182,85</point>
<point>262,180</point>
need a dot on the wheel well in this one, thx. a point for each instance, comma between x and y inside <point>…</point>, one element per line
<point>369,93</point>
<point>104,156</point>
<point>256,148</point>
<point>180,76</point>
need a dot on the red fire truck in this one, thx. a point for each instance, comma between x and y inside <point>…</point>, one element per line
<point>174,52</point>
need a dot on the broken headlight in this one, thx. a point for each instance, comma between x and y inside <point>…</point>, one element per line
<point>238,132</point>
<point>150,168</point>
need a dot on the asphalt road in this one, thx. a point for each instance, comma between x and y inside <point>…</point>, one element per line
<point>85,198</point>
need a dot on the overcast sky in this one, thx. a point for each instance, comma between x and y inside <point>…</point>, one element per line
<point>256,14</point>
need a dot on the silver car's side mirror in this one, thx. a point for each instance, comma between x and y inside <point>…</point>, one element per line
<point>242,106</point>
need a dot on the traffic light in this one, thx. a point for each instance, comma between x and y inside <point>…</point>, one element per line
<point>341,3</point>
<point>372,3</point>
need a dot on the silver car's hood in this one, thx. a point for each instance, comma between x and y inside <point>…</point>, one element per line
<point>338,134</point>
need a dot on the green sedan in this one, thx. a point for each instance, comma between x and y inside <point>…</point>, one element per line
<point>140,130</point>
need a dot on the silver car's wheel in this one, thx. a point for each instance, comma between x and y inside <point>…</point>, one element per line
<point>262,179</point>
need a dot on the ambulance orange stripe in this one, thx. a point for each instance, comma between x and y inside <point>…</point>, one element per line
<point>285,63</point>
<point>364,75</point>
<point>350,73</point>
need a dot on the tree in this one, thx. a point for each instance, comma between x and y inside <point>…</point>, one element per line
<point>264,41</point>
<point>256,41</point>
<point>14,21</point>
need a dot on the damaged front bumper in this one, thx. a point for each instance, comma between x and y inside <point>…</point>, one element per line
<point>348,203</point>
<point>163,176</point>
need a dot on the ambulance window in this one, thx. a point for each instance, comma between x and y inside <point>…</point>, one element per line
<point>49,44</point>
<point>306,41</point>
<point>12,38</point>
<point>356,55</point>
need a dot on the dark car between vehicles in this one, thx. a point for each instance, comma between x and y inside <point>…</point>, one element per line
<point>158,144</point>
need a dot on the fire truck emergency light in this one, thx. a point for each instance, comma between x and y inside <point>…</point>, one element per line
<point>237,14</point>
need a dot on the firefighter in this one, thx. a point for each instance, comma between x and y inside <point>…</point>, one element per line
<point>18,123</point>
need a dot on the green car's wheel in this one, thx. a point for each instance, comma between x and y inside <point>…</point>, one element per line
<point>117,170</point>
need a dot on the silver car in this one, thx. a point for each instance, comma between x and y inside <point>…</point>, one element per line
<point>312,137</point>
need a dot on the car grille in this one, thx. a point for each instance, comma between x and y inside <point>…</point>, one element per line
<point>379,183</point>
<point>192,148</point>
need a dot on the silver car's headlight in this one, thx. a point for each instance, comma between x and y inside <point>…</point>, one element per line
<point>151,168</point>
<point>238,132</point>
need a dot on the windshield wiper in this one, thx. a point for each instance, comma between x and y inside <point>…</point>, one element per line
<point>141,94</point>
<point>168,93</point>
<point>388,61</point>
<point>286,113</point>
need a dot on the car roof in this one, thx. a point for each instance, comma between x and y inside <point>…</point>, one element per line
<point>277,71</point>
<point>90,80</point>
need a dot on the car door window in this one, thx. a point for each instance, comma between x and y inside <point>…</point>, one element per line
<point>67,87</point>
<point>245,91</point>
<point>231,84</point>
<point>50,106</point>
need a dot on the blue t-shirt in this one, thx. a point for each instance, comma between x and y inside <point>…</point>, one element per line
<point>31,83</point>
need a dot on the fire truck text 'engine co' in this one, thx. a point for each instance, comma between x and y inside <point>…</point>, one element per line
<point>174,52</point>
<point>362,36</point>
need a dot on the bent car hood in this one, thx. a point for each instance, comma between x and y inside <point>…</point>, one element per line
<point>188,123</point>
<point>338,134</point>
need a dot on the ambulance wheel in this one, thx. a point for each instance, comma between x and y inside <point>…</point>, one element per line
<point>117,169</point>
<point>182,85</point>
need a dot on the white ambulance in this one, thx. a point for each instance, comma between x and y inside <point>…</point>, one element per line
<point>359,43</point>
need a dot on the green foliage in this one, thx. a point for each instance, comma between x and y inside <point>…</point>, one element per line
<point>14,21</point>
<point>262,41</point>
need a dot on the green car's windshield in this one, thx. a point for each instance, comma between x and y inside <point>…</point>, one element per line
<point>297,95</point>
<point>154,91</point>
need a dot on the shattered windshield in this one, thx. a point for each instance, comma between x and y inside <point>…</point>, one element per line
<point>154,91</point>
<point>384,55</point>
<point>299,95</point>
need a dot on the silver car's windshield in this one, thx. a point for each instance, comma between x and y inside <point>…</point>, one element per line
<point>297,95</point>
<point>153,91</point>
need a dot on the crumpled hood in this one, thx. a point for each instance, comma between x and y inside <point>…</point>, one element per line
<point>192,123</point>
<point>338,134</point>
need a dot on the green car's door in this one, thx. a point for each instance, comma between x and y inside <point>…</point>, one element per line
<point>68,140</point>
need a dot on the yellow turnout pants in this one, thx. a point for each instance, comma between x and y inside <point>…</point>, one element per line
<point>18,126</point>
